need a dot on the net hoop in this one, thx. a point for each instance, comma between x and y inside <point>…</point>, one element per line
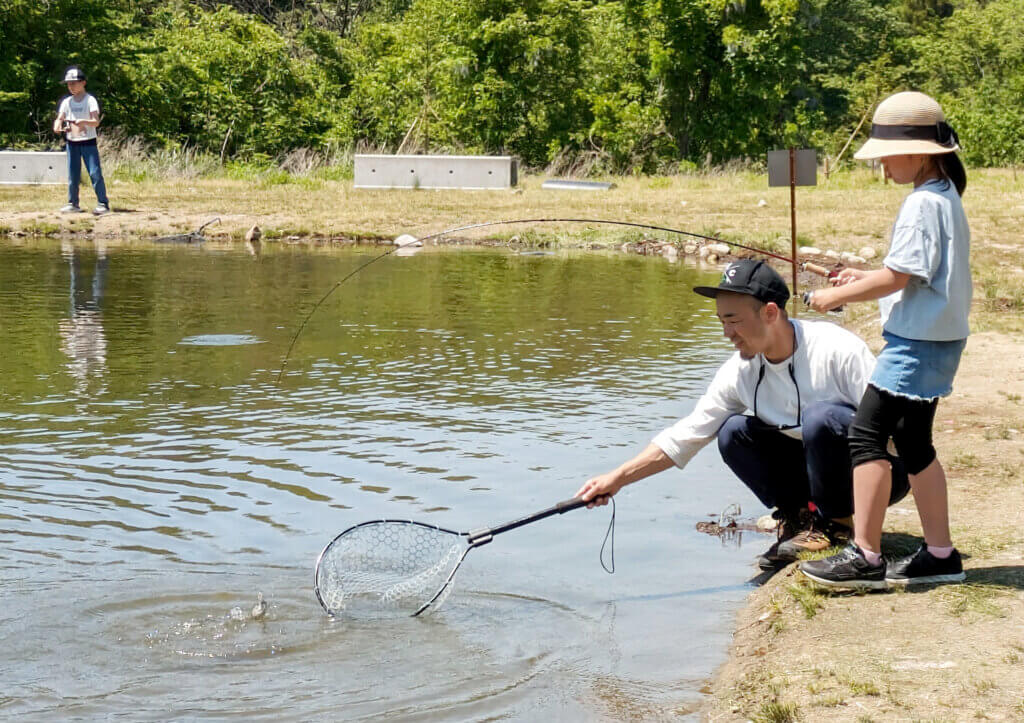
<point>437,597</point>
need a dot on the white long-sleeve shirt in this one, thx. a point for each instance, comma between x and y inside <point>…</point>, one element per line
<point>830,364</point>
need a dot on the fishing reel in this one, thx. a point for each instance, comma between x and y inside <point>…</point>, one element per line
<point>820,271</point>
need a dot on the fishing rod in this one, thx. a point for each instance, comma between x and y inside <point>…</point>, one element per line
<point>806,265</point>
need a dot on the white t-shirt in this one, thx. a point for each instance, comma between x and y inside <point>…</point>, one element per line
<point>74,110</point>
<point>932,242</point>
<point>830,364</point>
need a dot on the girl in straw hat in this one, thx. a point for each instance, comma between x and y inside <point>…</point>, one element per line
<point>924,291</point>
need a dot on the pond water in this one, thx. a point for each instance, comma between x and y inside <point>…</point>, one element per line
<point>153,476</point>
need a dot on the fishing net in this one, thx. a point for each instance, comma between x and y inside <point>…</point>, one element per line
<point>389,567</point>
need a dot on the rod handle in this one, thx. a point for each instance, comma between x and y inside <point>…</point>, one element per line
<point>815,269</point>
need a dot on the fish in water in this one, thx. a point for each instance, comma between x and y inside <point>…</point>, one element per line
<point>260,608</point>
<point>258,612</point>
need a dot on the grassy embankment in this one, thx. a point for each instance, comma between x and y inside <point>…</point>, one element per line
<point>950,653</point>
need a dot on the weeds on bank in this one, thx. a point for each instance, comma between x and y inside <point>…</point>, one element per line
<point>972,598</point>
<point>776,712</point>
<point>806,596</point>
<point>41,228</point>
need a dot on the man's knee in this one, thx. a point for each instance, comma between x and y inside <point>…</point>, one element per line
<point>824,421</point>
<point>732,433</point>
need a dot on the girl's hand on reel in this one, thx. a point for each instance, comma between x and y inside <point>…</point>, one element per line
<point>847,276</point>
<point>822,300</point>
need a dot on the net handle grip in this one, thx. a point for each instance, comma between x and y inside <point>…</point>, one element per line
<point>485,535</point>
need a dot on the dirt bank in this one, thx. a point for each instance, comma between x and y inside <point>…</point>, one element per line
<point>943,653</point>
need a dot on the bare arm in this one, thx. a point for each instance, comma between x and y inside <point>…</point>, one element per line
<point>870,285</point>
<point>58,122</point>
<point>650,461</point>
<point>92,120</point>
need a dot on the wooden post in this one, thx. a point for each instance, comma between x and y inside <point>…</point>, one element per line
<point>792,215</point>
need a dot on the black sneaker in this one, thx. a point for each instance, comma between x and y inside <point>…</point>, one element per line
<point>848,568</point>
<point>788,527</point>
<point>923,568</point>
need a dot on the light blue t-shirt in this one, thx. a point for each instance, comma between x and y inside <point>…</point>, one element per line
<point>931,242</point>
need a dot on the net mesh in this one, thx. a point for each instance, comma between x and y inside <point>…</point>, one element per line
<point>387,568</point>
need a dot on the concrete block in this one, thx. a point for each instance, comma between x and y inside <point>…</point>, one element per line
<point>25,167</point>
<point>462,172</point>
<point>561,184</point>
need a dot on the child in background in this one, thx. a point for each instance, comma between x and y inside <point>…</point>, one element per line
<point>924,291</point>
<point>78,117</point>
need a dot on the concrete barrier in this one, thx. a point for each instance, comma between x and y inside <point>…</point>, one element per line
<point>24,167</point>
<point>462,172</point>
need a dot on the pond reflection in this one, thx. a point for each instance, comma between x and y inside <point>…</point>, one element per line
<point>81,333</point>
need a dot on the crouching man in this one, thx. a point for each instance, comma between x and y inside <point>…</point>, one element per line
<point>780,408</point>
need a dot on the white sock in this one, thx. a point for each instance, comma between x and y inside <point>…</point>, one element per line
<point>940,552</point>
<point>873,557</point>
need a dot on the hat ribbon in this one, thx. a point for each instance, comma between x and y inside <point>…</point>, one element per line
<point>941,132</point>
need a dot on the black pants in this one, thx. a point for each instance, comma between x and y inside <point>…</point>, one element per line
<point>787,473</point>
<point>907,421</point>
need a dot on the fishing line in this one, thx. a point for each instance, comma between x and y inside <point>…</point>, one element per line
<point>284,363</point>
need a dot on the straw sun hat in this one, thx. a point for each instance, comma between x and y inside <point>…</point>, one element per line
<point>908,123</point>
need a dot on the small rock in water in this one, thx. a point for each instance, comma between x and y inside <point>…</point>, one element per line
<point>407,240</point>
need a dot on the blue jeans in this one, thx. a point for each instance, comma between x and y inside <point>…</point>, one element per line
<point>787,473</point>
<point>88,152</point>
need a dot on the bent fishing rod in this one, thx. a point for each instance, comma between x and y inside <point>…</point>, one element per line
<point>806,265</point>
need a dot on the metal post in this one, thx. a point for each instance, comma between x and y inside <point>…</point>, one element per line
<point>792,214</point>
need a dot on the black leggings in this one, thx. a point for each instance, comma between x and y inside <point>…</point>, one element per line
<point>882,415</point>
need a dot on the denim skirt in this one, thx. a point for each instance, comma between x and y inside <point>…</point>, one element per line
<point>917,369</point>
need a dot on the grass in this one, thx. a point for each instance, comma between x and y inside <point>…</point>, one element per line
<point>776,712</point>
<point>806,596</point>
<point>972,598</point>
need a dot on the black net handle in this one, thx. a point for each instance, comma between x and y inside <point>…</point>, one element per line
<point>486,534</point>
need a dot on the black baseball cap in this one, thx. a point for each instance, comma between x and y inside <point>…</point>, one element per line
<point>72,74</point>
<point>751,277</point>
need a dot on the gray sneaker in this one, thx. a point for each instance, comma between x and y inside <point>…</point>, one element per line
<point>70,208</point>
<point>847,569</point>
<point>101,209</point>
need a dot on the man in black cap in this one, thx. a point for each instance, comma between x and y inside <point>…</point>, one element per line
<point>780,408</point>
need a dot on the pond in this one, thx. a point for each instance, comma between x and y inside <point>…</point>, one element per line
<point>154,475</point>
